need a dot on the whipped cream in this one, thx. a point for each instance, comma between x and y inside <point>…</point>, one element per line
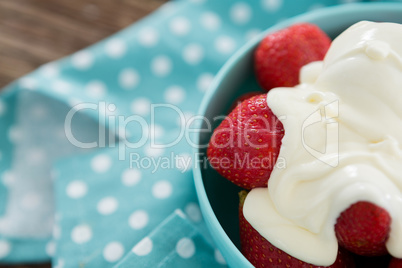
<point>342,144</point>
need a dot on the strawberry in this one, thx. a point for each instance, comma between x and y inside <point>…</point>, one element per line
<point>262,253</point>
<point>244,97</point>
<point>280,55</point>
<point>395,263</point>
<point>363,229</point>
<point>245,146</point>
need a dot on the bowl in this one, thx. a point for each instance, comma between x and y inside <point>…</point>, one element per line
<point>217,196</point>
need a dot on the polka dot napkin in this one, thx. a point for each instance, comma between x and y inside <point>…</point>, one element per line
<point>85,180</point>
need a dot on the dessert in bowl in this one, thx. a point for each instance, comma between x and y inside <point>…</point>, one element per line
<point>218,196</point>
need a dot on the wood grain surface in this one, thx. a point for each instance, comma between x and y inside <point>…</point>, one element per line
<point>34,32</point>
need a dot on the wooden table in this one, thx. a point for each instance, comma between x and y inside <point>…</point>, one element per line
<point>34,32</point>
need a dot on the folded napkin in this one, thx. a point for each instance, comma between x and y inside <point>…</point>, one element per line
<point>95,156</point>
<point>174,243</point>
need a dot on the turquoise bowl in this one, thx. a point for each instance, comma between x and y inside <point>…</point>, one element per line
<point>219,197</point>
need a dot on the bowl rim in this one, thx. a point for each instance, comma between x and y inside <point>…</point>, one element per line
<point>213,225</point>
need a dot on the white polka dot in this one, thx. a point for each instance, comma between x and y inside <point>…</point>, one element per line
<point>81,234</point>
<point>180,26</point>
<point>185,248</point>
<point>49,70</point>
<point>174,94</point>
<point>5,248</point>
<point>131,177</point>
<point>82,60</point>
<point>28,83</point>
<point>2,108</point>
<point>37,156</point>
<point>96,89</point>
<point>61,87</point>
<point>219,258</point>
<point>113,251</point>
<point>198,1</point>
<point>193,212</point>
<point>8,178</point>
<point>210,21</point>
<point>204,81</point>
<point>141,106</point>
<point>50,248</point>
<point>60,263</point>
<point>184,162</point>
<point>116,48</point>
<point>107,205</point>
<point>138,220</point>
<point>153,152</point>
<point>129,78</point>
<point>148,37</point>
<point>272,5</point>
<point>193,54</point>
<point>252,33</point>
<point>144,247</point>
<point>225,44</point>
<point>161,65</point>
<point>240,13</point>
<point>15,134</point>
<point>76,189</point>
<point>31,201</point>
<point>162,189</point>
<point>101,163</point>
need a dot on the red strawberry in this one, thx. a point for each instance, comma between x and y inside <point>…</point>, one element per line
<point>261,253</point>
<point>244,97</point>
<point>280,55</point>
<point>395,263</point>
<point>363,229</point>
<point>245,146</point>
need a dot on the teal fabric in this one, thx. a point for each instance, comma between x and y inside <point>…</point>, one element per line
<point>90,196</point>
<point>174,243</point>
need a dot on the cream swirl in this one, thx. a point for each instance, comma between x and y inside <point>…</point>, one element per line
<point>342,144</point>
